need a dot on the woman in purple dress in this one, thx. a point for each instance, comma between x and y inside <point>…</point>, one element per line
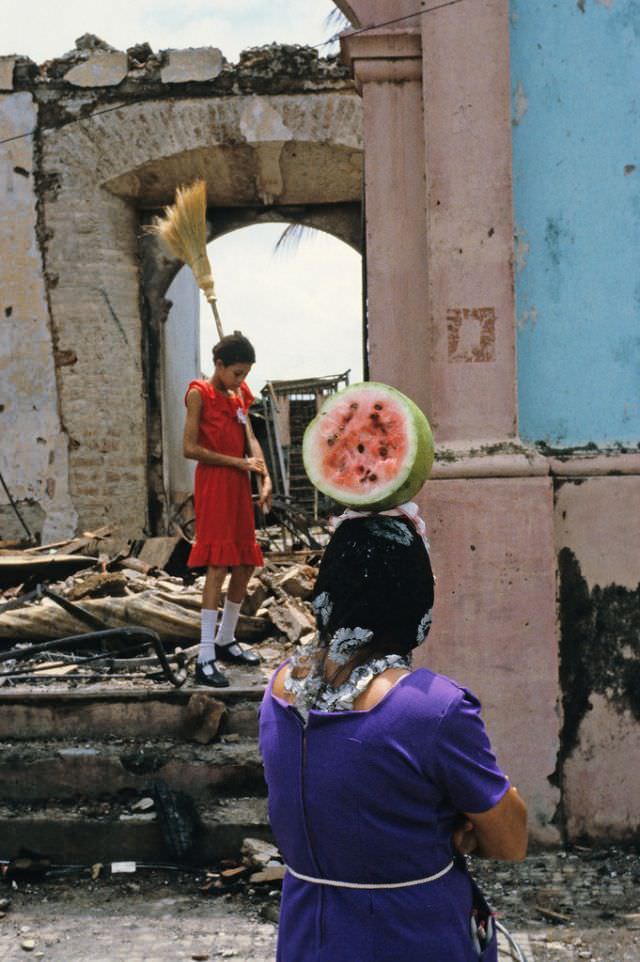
<point>381,778</point>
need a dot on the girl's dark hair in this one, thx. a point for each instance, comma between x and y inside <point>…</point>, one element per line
<point>234,349</point>
<point>376,574</point>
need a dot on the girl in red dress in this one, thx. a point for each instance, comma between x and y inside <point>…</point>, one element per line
<point>217,434</point>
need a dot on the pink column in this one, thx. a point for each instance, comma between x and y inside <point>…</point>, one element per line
<point>388,70</point>
<point>469,220</point>
<point>437,138</point>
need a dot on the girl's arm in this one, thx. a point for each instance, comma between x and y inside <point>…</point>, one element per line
<point>266,490</point>
<point>196,452</point>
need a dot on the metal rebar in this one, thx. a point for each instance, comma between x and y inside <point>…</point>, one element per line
<point>16,509</point>
<point>152,637</point>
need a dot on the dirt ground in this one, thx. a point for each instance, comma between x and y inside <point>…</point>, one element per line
<point>560,907</point>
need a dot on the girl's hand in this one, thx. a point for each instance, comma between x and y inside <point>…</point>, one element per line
<point>264,501</point>
<point>255,464</point>
<point>464,838</point>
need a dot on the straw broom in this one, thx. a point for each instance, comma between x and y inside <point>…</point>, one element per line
<point>183,231</point>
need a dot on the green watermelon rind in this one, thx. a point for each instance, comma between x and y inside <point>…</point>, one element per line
<point>408,482</point>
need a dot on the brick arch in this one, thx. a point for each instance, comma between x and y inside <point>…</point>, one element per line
<point>101,174</point>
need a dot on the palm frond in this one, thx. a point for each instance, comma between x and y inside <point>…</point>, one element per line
<point>337,19</point>
<point>292,236</point>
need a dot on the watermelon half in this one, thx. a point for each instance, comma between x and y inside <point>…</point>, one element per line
<point>370,447</point>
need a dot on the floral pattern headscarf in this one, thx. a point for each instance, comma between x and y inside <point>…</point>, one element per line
<point>373,601</point>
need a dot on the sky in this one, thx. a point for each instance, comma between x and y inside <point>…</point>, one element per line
<point>42,29</point>
<point>300,307</point>
<point>303,307</point>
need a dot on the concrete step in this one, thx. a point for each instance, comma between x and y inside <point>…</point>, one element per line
<point>97,712</point>
<point>73,763</point>
<point>72,834</point>
<point>30,771</point>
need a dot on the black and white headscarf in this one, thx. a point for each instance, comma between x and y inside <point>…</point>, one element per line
<point>373,600</point>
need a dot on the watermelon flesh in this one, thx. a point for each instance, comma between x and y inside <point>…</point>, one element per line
<point>370,447</point>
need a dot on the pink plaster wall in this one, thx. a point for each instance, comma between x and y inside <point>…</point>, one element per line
<point>469,220</point>
<point>598,519</point>
<point>601,779</point>
<point>494,620</point>
<point>442,328</point>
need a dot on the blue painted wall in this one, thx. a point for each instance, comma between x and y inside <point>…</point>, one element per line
<point>575,70</point>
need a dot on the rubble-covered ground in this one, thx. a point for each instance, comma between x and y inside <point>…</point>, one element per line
<point>566,905</point>
<point>561,907</point>
<point>133,592</point>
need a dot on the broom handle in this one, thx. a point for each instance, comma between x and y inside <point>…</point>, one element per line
<point>216,316</point>
<point>218,320</point>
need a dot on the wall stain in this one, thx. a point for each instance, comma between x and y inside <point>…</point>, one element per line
<point>471,334</point>
<point>552,236</point>
<point>599,654</point>
<point>520,103</point>
<point>599,648</point>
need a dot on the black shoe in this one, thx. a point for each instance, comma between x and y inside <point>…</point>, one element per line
<point>208,674</point>
<point>233,654</point>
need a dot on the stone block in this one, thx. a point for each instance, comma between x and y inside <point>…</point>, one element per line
<point>258,853</point>
<point>203,715</point>
<point>255,598</point>
<point>102,69</point>
<point>291,621</point>
<point>195,64</point>
<point>298,581</point>
<point>6,72</point>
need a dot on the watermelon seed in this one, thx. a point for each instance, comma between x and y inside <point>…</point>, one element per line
<point>373,477</point>
<point>378,407</point>
<point>383,452</point>
<point>361,448</point>
<point>353,406</point>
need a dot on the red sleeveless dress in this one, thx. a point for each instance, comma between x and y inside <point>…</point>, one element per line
<point>225,529</point>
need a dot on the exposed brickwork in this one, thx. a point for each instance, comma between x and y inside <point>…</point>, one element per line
<point>282,126</point>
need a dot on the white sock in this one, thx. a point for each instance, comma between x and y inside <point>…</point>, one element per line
<point>226,631</point>
<point>207,652</point>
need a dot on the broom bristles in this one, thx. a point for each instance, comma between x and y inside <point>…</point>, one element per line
<point>183,231</point>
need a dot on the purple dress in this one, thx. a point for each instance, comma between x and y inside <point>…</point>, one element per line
<point>372,797</point>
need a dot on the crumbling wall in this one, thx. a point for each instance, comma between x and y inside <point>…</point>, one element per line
<point>34,449</point>
<point>114,133</point>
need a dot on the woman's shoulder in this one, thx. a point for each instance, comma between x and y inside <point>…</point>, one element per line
<point>278,678</point>
<point>438,694</point>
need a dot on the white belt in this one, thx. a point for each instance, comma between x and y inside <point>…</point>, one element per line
<point>369,885</point>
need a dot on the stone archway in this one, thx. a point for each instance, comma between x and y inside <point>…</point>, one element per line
<point>255,151</point>
<point>177,320</point>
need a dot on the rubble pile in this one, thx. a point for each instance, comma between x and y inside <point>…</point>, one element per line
<point>60,594</point>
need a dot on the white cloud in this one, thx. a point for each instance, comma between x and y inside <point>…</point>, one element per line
<point>42,30</point>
